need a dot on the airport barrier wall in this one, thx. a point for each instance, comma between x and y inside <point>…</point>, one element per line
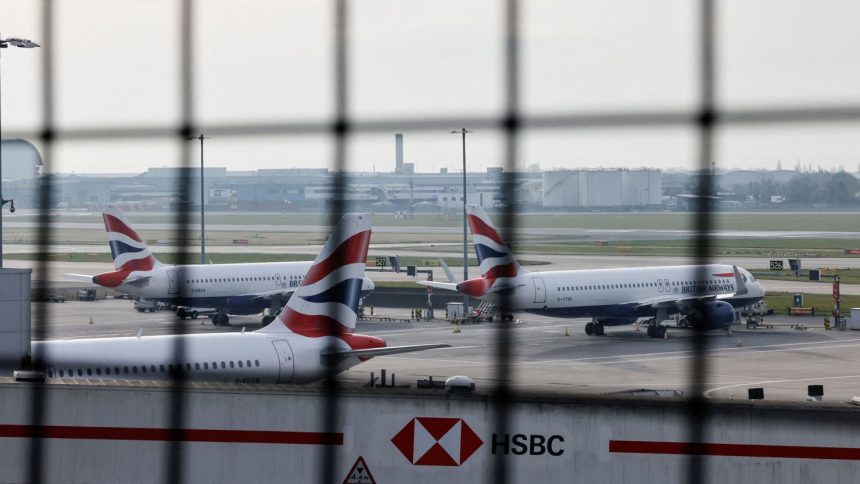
<point>15,319</point>
<point>118,433</point>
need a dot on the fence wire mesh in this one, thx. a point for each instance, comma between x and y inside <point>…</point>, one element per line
<point>511,123</point>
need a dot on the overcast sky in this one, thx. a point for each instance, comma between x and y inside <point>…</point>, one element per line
<point>116,65</point>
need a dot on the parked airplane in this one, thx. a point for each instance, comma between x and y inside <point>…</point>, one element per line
<point>312,337</point>
<point>609,296</point>
<point>221,288</point>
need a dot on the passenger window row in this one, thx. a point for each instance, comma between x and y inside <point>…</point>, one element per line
<point>233,279</point>
<point>143,369</point>
<point>597,287</point>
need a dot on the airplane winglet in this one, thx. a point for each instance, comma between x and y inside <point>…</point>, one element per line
<point>450,275</point>
<point>739,280</point>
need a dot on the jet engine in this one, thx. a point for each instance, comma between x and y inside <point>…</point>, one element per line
<point>713,315</point>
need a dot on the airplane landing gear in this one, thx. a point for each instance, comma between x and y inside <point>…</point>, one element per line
<point>594,329</point>
<point>655,331</point>
<point>220,319</point>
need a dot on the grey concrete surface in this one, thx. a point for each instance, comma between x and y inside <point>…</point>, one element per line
<point>782,360</point>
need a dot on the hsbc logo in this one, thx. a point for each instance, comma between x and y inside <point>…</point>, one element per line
<point>435,441</point>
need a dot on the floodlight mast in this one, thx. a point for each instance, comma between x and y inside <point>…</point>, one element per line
<point>464,131</point>
<point>5,43</point>
<point>202,200</point>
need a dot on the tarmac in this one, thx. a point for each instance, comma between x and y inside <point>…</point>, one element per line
<point>549,354</point>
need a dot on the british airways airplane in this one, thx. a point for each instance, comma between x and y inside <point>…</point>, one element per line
<point>609,296</point>
<point>225,288</point>
<point>312,338</point>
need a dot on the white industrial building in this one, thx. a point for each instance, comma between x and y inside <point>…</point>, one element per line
<point>602,188</point>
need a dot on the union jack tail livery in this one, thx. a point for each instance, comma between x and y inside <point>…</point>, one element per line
<point>326,303</point>
<point>494,256</point>
<point>129,251</point>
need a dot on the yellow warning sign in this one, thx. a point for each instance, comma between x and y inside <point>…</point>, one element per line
<point>359,474</point>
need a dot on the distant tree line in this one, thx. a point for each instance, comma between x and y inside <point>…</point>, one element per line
<point>839,188</point>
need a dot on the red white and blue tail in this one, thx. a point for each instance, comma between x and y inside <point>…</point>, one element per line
<point>326,303</point>
<point>129,251</point>
<point>494,256</point>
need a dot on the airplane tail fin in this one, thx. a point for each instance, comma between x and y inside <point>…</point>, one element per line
<point>326,303</point>
<point>494,256</point>
<point>127,248</point>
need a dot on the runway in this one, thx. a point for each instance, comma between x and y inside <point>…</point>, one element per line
<point>455,228</point>
<point>782,360</point>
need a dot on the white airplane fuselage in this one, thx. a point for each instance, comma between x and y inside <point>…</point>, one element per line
<point>235,288</point>
<point>614,293</point>
<point>251,357</point>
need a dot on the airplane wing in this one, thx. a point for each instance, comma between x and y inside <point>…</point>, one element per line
<point>273,294</point>
<point>79,277</point>
<point>389,350</point>
<point>448,286</point>
<point>670,300</point>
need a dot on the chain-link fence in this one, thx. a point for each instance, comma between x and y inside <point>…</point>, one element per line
<point>705,118</point>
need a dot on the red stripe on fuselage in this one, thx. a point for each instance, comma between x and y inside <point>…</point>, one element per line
<point>316,326</point>
<point>734,450</point>
<point>145,264</point>
<point>479,227</point>
<point>173,435</point>
<point>111,279</point>
<point>725,274</point>
<point>504,270</point>
<point>113,224</point>
<point>352,251</point>
<point>312,325</point>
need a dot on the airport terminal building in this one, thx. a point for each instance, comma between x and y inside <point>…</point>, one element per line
<point>311,190</point>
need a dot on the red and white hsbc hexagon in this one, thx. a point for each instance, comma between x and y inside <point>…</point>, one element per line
<point>436,441</point>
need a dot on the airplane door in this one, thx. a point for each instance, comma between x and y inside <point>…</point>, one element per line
<point>540,290</point>
<point>172,286</point>
<point>285,357</point>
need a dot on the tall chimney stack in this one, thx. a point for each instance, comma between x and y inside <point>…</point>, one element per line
<point>398,153</point>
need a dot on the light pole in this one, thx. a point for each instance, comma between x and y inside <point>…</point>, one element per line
<point>463,132</point>
<point>5,43</point>
<point>202,199</point>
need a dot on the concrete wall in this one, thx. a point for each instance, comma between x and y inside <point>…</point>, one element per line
<point>602,188</point>
<point>640,188</point>
<point>102,433</point>
<point>14,318</point>
<point>561,188</point>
